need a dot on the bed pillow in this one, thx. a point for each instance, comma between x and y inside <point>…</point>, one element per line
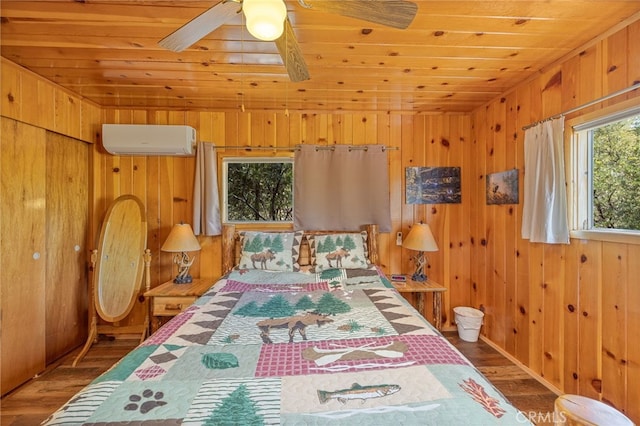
<point>272,251</point>
<point>347,251</point>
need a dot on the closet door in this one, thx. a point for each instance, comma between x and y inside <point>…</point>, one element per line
<point>67,217</point>
<point>22,252</point>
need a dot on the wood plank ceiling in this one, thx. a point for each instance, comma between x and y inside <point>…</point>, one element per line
<point>454,57</point>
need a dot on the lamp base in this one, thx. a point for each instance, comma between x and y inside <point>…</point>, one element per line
<point>183,280</point>
<point>419,277</point>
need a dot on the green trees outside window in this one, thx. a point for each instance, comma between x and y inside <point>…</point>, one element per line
<point>616,175</point>
<point>259,190</point>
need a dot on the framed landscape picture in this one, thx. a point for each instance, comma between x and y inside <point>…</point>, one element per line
<point>433,185</point>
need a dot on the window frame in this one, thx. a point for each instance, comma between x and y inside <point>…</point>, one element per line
<point>259,158</point>
<point>578,157</point>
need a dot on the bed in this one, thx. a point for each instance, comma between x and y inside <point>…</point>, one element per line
<point>303,329</point>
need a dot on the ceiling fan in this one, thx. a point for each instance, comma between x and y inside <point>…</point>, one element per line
<point>393,13</point>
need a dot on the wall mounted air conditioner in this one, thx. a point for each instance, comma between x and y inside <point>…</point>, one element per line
<point>146,139</point>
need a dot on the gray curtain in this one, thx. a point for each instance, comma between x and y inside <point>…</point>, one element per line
<point>206,201</point>
<point>341,188</point>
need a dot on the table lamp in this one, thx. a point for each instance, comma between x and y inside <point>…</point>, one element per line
<point>180,241</point>
<point>420,239</point>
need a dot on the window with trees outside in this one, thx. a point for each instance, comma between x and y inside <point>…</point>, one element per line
<point>257,189</point>
<point>607,173</point>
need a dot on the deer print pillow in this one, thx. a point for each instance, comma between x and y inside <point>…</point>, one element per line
<point>347,251</point>
<point>272,251</point>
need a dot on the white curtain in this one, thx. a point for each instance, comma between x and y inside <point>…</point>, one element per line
<point>206,200</point>
<point>544,211</point>
<point>341,188</point>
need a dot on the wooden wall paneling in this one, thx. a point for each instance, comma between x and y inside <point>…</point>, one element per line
<point>536,307</point>
<point>370,131</point>
<point>358,130</point>
<point>259,129</point>
<point>23,254</point>
<point>478,209</point>
<point>91,123</point>
<point>126,174</point>
<point>294,130</point>
<point>500,231</point>
<point>324,129</point>
<point>570,80</point>
<point>67,114</point>
<point>231,130</point>
<point>41,97</point>
<point>553,293</point>
<point>475,170</point>
<point>510,125</point>
<point>633,60</point>
<point>456,268</point>
<point>346,129</point>
<point>615,53</point>
<point>570,317</point>
<point>590,274</point>
<point>165,182</point>
<point>482,238</point>
<point>243,128</point>
<point>522,246</point>
<point>493,307</point>
<point>306,133</point>
<point>67,184</point>
<point>155,237</point>
<point>614,306</point>
<point>633,333</point>
<point>464,254</point>
<point>334,131</point>
<point>11,87</point>
<point>281,127</point>
<point>590,85</point>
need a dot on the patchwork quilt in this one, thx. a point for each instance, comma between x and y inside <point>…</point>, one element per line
<point>337,347</point>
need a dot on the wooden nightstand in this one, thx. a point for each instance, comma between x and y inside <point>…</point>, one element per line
<point>169,299</point>
<point>421,288</point>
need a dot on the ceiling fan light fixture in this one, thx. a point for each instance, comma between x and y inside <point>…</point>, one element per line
<point>265,18</point>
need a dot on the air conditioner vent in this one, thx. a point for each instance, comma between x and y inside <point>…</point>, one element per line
<point>146,139</point>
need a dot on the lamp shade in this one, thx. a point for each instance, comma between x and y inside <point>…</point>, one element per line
<point>420,238</point>
<point>265,18</point>
<point>180,239</point>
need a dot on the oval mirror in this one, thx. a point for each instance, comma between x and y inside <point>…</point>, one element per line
<point>120,261</point>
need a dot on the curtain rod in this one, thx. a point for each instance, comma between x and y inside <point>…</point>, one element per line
<point>297,147</point>
<point>587,105</point>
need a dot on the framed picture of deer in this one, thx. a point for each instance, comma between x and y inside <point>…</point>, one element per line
<point>502,187</point>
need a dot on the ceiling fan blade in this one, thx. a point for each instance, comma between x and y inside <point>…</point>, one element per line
<point>392,13</point>
<point>291,54</point>
<point>200,26</point>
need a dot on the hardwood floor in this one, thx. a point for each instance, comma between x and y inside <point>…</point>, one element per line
<point>522,390</point>
<point>33,402</point>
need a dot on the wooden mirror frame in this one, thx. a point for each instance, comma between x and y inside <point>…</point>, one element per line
<point>118,266</point>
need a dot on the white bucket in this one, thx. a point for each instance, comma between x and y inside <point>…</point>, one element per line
<point>469,321</point>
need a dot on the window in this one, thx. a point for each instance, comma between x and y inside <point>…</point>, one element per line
<point>607,173</point>
<point>257,189</point>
